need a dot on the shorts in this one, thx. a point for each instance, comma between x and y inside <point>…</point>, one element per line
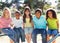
<point>52,32</point>
<point>28,30</point>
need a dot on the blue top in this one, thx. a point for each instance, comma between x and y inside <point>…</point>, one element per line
<point>39,23</point>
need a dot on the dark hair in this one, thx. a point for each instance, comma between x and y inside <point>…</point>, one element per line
<point>17,12</point>
<point>53,14</point>
<point>24,16</point>
<point>38,11</point>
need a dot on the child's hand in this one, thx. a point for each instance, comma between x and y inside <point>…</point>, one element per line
<point>59,30</point>
<point>11,25</point>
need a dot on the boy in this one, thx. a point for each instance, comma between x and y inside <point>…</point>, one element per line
<point>39,26</point>
<point>18,26</point>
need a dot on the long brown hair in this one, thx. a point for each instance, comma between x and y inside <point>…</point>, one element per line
<point>24,16</point>
<point>53,14</point>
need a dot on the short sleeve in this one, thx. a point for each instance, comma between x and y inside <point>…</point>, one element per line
<point>33,19</point>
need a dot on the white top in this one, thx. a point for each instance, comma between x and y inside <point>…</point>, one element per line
<point>18,22</point>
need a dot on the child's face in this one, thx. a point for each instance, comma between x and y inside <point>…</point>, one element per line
<point>6,14</point>
<point>38,14</point>
<point>27,12</point>
<point>50,14</point>
<point>17,15</point>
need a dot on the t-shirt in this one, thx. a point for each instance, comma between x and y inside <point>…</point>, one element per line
<point>28,23</point>
<point>39,23</point>
<point>4,23</point>
<point>18,22</point>
<point>52,23</point>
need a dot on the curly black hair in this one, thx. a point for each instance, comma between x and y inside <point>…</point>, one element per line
<point>53,14</point>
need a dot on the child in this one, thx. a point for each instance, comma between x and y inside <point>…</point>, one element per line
<point>53,24</point>
<point>5,21</point>
<point>39,26</point>
<point>18,26</point>
<point>27,19</point>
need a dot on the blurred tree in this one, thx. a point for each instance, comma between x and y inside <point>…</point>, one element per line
<point>58,6</point>
<point>4,4</point>
<point>46,6</point>
<point>38,4</point>
<point>59,0</point>
<point>27,3</point>
<point>35,3</point>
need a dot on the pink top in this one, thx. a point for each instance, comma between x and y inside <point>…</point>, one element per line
<point>4,23</point>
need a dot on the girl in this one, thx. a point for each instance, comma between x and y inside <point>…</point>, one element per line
<point>5,21</point>
<point>53,25</point>
<point>27,19</point>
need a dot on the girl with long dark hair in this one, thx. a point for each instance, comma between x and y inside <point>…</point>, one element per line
<point>27,19</point>
<point>52,23</point>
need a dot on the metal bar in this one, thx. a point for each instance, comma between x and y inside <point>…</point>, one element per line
<point>53,38</point>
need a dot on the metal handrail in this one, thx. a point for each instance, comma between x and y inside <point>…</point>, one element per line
<point>53,38</point>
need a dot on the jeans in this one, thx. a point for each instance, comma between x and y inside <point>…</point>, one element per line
<point>10,32</point>
<point>20,34</point>
<point>39,31</point>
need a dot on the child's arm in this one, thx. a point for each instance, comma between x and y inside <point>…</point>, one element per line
<point>23,25</point>
<point>58,25</point>
<point>32,24</point>
<point>47,27</point>
<point>11,25</point>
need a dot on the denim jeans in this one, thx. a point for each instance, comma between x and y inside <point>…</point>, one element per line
<point>10,32</point>
<point>39,31</point>
<point>20,34</point>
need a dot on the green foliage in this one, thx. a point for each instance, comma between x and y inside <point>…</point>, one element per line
<point>59,0</point>
<point>46,6</point>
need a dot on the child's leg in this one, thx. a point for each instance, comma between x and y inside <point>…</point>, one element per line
<point>54,40</point>
<point>17,34</point>
<point>22,35</point>
<point>27,38</point>
<point>48,37</point>
<point>54,33</point>
<point>11,41</point>
<point>44,36</point>
<point>27,34</point>
<point>34,35</point>
<point>30,32</point>
<point>10,33</point>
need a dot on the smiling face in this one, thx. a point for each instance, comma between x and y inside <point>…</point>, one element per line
<point>27,12</point>
<point>17,15</point>
<point>6,14</point>
<point>50,14</point>
<point>38,14</point>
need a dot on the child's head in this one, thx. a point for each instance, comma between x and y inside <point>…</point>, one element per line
<point>38,12</point>
<point>6,13</point>
<point>27,11</point>
<point>51,14</point>
<point>17,14</point>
